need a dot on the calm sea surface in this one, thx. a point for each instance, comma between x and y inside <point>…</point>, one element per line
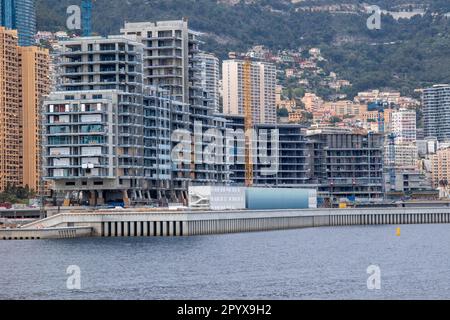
<point>322,263</point>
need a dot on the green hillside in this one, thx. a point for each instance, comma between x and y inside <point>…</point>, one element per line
<point>404,54</point>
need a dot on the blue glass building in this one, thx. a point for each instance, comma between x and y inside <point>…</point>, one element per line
<point>20,15</point>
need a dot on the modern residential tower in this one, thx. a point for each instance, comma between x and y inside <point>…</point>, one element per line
<point>263,85</point>
<point>24,80</point>
<point>436,112</point>
<point>210,75</point>
<point>172,61</point>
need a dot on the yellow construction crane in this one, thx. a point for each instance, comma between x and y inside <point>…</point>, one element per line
<point>247,74</point>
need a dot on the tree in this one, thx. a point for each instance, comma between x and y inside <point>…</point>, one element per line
<point>282,112</point>
<point>335,119</point>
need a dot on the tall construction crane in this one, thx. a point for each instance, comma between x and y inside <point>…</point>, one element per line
<point>247,79</point>
<point>391,160</point>
<point>86,9</point>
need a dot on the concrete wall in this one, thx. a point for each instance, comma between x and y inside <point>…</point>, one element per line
<point>37,234</point>
<point>128,223</point>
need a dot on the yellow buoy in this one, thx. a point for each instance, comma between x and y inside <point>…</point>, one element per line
<point>398,232</point>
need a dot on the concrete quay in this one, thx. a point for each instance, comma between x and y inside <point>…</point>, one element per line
<point>141,223</point>
<point>41,234</point>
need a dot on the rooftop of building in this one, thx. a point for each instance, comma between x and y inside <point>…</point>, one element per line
<point>94,39</point>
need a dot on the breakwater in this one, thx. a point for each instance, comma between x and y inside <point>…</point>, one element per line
<point>141,223</point>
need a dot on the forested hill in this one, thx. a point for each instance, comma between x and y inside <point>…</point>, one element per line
<point>404,54</point>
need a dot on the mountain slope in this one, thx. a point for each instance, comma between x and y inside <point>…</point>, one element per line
<point>420,49</point>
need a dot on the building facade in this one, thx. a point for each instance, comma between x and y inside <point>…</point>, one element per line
<point>284,164</point>
<point>440,168</point>
<point>107,134</point>
<point>343,165</point>
<point>10,113</point>
<point>36,83</point>
<point>172,61</point>
<point>20,15</point>
<point>210,74</point>
<point>263,90</point>
<point>24,80</point>
<point>404,126</point>
<point>436,112</point>
<point>148,94</point>
<point>348,165</point>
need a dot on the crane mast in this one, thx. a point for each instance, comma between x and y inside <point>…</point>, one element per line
<point>86,9</point>
<point>247,70</point>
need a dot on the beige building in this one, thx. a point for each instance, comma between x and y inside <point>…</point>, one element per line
<point>345,108</point>
<point>377,95</point>
<point>405,155</point>
<point>296,116</point>
<point>24,78</point>
<point>312,102</point>
<point>370,116</point>
<point>10,146</point>
<point>36,82</point>
<point>440,166</point>
<point>388,119</point>
<point>263,84</point>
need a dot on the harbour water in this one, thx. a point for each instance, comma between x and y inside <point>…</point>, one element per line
<point>319,263</point>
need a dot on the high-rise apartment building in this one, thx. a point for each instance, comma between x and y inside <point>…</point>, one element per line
<point>348,165</point>
<point>20,15</point>
<point>263,85</point>
<point>35,82</point>
<point>210,75</point>
<point>289,163</point>
<point>404,126</point>
<point>107,135</point>
<point>10,113</point>
<point>171,61</point>
<point>110,125</point>
<point>24,80</point>
<point>436,112</point>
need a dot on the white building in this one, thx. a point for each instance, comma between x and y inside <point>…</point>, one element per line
<point>263,84</point>
<point>210,75</point>
<point>406,155</point>
<point>404,126</point>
